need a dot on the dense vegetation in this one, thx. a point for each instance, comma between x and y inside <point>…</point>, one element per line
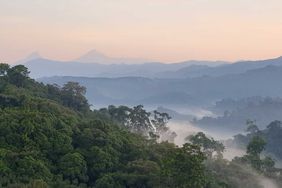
<point>272,135</point>
<point>234,113</point>
<point>49,137</point>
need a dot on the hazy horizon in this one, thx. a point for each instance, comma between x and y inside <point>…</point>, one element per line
<point>166,31</point>
<point>37,53</point>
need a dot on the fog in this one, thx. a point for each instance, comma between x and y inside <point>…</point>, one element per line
<point>197,112</point>
<point>267,183</point>
<point>186,128</point>
<point>231,152</point>
<point>183,129</point>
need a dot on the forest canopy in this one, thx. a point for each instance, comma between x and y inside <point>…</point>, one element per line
<point>49,137</point>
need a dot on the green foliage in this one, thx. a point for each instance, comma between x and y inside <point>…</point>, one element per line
<point>4,69</point>
<point>73,167</point>
<point>182,164</point>
<point>50,138</point>
<point>28,168</point>
<point>18,75</point>
<point>139,121</point>
<point>73,96</point>
<point>256,146</point>
<point>272,135</point>
<point>260,144</point>
<point>208,145</point>
<point>253,156</point>
<point>225,174</point>
<point>106,181</point>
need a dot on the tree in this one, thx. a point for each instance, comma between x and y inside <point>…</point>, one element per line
<point>73,167</point>
<point>99,162</point>
<point>275,126</point>
<point>184,167</point>
<point>160,121</point>
<point>73,96</point>
<point>267,164</point>
<point>208,145</point>
<point>119,114</point>
<point>74,89</point>
<point>106,181</point>
<point>4,69</point>
<point>256,146</point>
<point>162,131</point>
<point>253,157</point>
<point>31,168</point>
<point>139,121</point>
<point>254,149</point>
<point>18,75</point>
<point>140,173</point>
<point>252,127</point>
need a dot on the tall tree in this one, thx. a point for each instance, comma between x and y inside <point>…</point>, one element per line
<point>73,96</point>
<point>208,145</point>
<point>139,121</point>
<point>18,75</point>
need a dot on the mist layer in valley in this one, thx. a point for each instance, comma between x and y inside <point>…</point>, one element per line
<point>216,98</point>
<point>230,114</point>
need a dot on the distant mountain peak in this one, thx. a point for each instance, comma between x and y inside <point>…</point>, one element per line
<point>32,56</point>
<point>94,56</point>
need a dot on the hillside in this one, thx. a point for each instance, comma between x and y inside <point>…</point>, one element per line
<point>202,91</point>
<point>94,64</point>
<point>220,70</point>
<point>50,138</point>
<point>102,66</point>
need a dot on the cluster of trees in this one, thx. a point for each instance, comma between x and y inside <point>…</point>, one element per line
<point>254,158</point>
<point>242,171</point>
<point>210,147</point>
<point>49,137</point>
<point>71,95</point>
<point>153,125</point>
<point>235,112</point>
<point>262,150</point>
<point>15,82</point>
<point>16,75</point>
<point>272,135</point>
<point>222,173</point>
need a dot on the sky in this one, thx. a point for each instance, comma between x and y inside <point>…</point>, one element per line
<point>161,30</point>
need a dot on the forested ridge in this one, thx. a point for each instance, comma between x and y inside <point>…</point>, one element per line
<point>49,137</point>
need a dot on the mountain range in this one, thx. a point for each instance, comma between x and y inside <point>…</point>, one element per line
<point>175,86</point>
<point>197,91</point>
<point>95,64</point>
<point>189,83</point>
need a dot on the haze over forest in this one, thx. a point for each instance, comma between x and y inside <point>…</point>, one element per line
<point>140,94</point>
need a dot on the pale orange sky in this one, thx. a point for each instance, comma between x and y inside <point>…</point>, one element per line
<point>163,30</point>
